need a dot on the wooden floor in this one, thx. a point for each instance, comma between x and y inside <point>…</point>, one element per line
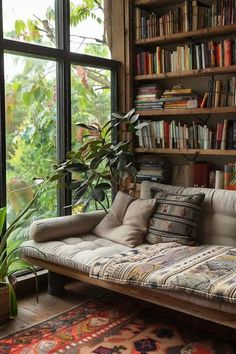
<point>31,312</point>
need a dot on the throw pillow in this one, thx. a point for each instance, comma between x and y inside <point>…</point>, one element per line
<point>127,221</point>
<point>175,218</point>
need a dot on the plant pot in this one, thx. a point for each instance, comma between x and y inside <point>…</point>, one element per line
<point>4,300</point>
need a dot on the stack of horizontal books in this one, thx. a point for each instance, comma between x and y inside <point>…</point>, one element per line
<point>179,98</point>
<point>148,97</point>
<point>152,168</point>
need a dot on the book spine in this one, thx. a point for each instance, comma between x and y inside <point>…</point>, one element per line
<point>228,52</point>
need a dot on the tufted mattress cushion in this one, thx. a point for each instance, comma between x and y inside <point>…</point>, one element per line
<point>74,252</point>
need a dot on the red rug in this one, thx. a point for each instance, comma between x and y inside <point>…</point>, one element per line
<point>114,324</point>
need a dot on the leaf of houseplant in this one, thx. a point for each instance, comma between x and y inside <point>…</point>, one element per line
<point>129,114</point>
<point>86,126</point>
<point>2,218</point>
<point>98,194</point>
<point>77,167</point>
<point>134,118</point>
<point>117,115</point>
<point>103,186</point>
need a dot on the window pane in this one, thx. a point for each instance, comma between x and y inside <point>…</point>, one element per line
<point>30,86</point>
<point>30,21</point>
<point>88,31</point>
<point>91,104</point>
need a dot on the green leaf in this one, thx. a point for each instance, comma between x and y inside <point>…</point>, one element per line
<point>20,26</point>
<point>97,160</point>
<point>129,114</point>
<point>141,125</point>
<point>85,126</point>
<point>103,186</point>
<point>2,218</point>
<point>134,118</point>
<point>77,167</point>
<point>117,115</point>
<point>98,195</point>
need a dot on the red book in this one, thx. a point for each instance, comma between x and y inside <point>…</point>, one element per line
<point>138,64</point>
<point>219,133</point>
<point>201,172</point>
<point>227,52</point>
<point>167,134</point>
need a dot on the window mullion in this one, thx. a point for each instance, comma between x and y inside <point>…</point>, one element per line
<point>63,97</point>
<point>2,120</point>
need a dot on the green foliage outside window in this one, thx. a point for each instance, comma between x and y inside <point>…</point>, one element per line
<point>31,108</point>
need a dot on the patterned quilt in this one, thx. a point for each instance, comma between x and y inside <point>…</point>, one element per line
<point>209,271</point>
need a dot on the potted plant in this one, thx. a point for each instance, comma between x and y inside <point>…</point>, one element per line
<point>10,259</point>
<point>103,164</point>
<point>9,264</point>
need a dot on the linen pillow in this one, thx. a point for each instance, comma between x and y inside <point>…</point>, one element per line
<point>127,221</point>
<point>175,218</point>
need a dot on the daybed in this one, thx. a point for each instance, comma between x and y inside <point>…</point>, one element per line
<point>209,291</point>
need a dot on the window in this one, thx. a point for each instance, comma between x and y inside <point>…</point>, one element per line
<point>88,32</point>
<point>47,88</point>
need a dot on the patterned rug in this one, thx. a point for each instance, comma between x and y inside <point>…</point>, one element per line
<point>114,324</point>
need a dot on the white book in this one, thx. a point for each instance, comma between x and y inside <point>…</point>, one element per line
<point>197,56</point>
<point>158,133</point>
<point>203,56</point>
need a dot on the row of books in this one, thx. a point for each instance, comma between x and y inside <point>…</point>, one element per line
<point>220,94</point>
<point>203,174</point>
<point>177,135</point>
<point>187,57</point>
<point>188,16</point>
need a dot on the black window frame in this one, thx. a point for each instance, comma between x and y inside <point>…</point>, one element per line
<point>64,59</point>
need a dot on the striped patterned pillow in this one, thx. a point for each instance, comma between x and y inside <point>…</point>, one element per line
<point>175,218</point>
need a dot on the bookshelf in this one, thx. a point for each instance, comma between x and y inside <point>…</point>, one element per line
<point>188,36</point>
<point>193,111</point>
<point>154,3</point>
<point>190,73</point>
<point>211,115</point>
<point>210,152</point>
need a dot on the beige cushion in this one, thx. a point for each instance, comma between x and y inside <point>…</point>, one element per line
<point>217,225</point>
<point>64,226</point>
<point>127,221</point>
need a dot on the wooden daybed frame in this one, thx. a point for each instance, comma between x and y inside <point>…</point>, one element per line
<point>150,295</point>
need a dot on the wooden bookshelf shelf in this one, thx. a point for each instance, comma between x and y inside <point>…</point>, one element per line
<point>186,36</point>
<point>155,3</point>
<point>188,151</point>
<point>197,111</point>
<point>190,73</point>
